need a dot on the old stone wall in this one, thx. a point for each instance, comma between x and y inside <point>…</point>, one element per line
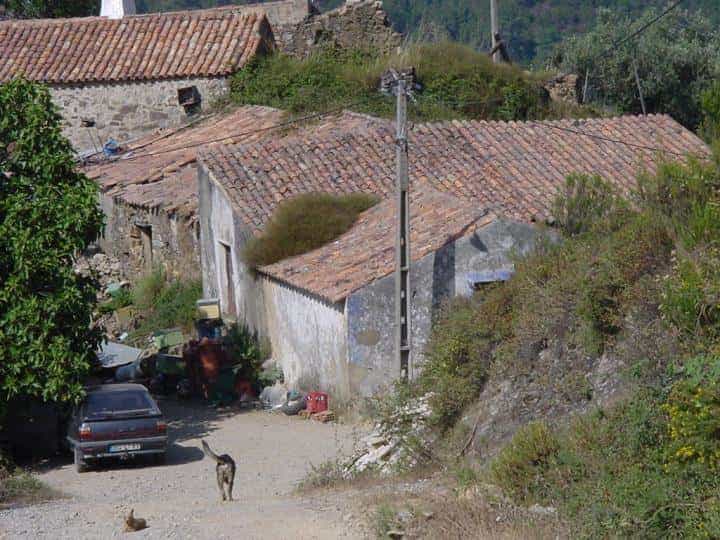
<point>451,271</point>
<point>124,111</point>
<point>283,12</point>
<point>359,24</point>
<point>141,239</point>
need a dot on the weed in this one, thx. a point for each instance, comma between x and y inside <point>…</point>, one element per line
<point>303,223</point>
<point>328,474</point>
<point>163,304</point>
<point>385,520</point>
<point>518,467</point>
<point>23,488</point>
<point>122,298</point>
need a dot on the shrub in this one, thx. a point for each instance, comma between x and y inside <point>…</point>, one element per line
<point>164,304</point>
<point>587,202</point>
<point>693,409</point>
<point>304,223</point>
<point>458,354</point>
<point>520,465</point>
<point>243,347</point>
<point>710,107</point>
<point>457,82</point>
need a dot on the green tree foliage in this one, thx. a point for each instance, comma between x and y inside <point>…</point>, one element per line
<point>530,27</point>
<point>710,105</point>
<point>48,213</point>
<point>678,57</point>
<point>38,9</point>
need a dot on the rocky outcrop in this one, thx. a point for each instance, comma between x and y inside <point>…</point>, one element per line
<point>359,24</point>
<point>565,88</point>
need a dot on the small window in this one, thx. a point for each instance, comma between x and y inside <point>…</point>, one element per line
<point>190,99</point>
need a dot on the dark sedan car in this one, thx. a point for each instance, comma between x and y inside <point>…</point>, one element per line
<point>117,421</point>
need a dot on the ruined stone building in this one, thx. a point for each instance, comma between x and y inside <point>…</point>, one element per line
<point>149,193</point>
<point>480,192</point>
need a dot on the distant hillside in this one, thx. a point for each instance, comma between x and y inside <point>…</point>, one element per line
<point>530,27</point>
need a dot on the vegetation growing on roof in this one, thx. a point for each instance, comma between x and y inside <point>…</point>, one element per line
<point>457,83</point>
<point>303,223</point>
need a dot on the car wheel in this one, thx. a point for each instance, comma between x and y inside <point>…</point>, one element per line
<point>80,464</point>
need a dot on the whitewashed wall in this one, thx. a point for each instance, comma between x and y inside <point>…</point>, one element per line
<point>308,337</point>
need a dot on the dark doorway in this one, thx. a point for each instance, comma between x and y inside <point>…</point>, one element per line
<point>147,247</point>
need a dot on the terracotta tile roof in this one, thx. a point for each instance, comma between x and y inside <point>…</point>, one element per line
<point>367,251</point>
<point>211,42</point>
<point>160,170</point>
<point>513,168</point>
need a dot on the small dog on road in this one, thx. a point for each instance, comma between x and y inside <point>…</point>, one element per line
<point>225,471</point>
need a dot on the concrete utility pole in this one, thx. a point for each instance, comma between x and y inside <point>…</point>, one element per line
<point>401,84</point>
<point>494,29</point>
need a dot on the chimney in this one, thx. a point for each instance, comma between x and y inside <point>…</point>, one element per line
<point>117,9</point>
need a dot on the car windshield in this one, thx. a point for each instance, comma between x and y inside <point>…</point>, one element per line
<point>116,402</point>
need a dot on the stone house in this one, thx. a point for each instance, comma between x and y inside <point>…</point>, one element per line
<point>123,77</point>
<point>149,192</point>
<point>326,312</point>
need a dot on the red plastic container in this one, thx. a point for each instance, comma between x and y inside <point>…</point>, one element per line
<point>317,402</point>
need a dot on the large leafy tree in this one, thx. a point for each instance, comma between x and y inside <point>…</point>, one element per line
<point>48,214</point>
<point>677,59</point>
<point>38,9</point>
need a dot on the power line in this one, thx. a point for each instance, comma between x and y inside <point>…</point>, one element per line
<point>608,139</point>
<point>641,29</point>
<point>131,156</point>
<point>636,33</point>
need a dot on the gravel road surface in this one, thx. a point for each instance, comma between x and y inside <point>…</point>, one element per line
<point>181,500</point>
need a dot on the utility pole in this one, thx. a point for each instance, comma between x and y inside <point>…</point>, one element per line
<point>494,30</point>
<point>401,85</point>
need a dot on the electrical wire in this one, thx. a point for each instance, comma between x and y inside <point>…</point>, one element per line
<point>132,156</point>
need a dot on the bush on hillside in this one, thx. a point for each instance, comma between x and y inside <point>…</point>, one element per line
<point>457,83</point>
<point>304,223</point>
<point>647,466</point>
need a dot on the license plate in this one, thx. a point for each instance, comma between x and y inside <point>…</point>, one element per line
<point>124,447</point>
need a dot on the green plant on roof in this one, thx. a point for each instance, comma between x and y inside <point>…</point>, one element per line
<point>304,223</point>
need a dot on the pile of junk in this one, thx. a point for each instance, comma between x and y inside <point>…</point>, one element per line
<point>217,365</point>
<point>204,367</point>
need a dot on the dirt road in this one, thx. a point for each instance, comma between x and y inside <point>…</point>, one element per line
<point>181,500</point>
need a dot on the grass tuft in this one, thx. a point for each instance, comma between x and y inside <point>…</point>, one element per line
<point>22,488</point>
<point>304,223</point>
